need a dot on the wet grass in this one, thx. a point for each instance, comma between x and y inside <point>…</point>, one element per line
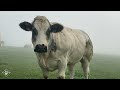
<point>22,64</point>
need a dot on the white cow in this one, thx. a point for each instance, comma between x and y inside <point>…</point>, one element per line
<point>57,47</point>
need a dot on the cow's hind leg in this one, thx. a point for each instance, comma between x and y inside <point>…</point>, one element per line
<point>85,66</point>
<point>71,70</point>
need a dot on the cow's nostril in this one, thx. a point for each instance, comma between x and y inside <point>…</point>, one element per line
<point>43,45</point>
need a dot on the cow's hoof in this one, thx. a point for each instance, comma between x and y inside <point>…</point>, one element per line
<point>45,77</point>
<point>61,77</point>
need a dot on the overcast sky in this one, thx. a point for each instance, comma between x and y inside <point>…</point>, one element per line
<point>103,27</point>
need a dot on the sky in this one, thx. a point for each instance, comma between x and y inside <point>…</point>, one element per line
<point>103,27</point>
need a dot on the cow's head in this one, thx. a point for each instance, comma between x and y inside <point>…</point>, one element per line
<point>41,29</point>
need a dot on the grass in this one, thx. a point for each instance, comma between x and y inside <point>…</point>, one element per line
<point>22,63</point>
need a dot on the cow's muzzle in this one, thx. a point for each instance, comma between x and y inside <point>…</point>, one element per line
<point>40,48</point>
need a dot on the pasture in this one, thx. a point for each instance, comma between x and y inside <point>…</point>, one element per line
<point>22,64</point>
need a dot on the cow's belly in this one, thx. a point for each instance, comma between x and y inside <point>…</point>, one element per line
<point>75,56</point>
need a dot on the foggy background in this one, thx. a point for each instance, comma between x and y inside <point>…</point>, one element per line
<point>103,27</point>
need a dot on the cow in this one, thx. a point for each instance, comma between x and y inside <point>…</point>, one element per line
<point>58,47</point>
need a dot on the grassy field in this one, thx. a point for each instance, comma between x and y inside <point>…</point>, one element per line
<point>22,63</point>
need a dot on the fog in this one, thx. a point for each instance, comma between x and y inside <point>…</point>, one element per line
<point>103,27</point>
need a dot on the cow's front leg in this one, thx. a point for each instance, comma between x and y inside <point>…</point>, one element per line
<point>62,65</point>
<point>45,73</point>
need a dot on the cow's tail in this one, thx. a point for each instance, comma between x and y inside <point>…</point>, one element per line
<point>89,49</point>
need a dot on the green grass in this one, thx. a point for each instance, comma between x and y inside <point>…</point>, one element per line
<point>22,63</point>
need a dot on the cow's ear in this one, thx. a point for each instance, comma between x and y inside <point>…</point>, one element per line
<point>56,28</point>
<point>26,26</point>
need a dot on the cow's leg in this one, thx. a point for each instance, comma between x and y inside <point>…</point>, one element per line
<point>45,73</point>
<point>85,66</point>
<point>62,65</point>
<point>71,70</point>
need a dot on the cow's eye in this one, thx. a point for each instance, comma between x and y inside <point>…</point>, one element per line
<point>34,31</point>
<point>48,33</point>
<point>34,34</point>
